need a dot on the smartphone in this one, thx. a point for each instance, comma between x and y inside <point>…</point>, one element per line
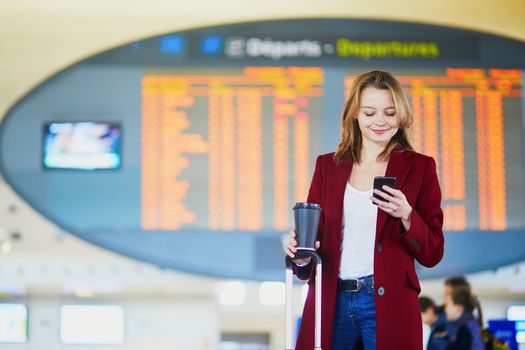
<point>380,181</point>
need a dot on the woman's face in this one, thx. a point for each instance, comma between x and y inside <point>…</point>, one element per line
<point>452,310</point>
<point>377,117</point>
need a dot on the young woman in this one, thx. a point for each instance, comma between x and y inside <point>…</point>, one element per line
<point>443,328</point>
<point>368,245</point>
<point>458,308</point>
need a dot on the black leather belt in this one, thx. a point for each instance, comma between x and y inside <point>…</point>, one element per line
<point>355,285</point>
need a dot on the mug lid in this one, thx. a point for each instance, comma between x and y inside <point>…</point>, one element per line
<point>303,205</point>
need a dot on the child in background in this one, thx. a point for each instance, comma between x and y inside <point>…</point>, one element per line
<point>429,316</point>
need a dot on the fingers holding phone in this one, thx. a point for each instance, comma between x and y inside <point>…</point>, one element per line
<point>391,200</point>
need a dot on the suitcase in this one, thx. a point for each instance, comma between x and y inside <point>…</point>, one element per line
<point>316,261</point>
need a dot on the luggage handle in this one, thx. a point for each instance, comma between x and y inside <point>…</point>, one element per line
<point>316,260</point>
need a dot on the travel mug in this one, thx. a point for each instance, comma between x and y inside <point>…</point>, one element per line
<point>306,217</point>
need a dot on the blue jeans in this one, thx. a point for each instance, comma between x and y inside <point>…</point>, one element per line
<point>355,319</point>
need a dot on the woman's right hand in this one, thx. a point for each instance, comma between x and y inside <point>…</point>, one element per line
<point>291,248</point>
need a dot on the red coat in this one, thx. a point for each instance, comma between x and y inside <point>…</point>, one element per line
<point>398,319</point>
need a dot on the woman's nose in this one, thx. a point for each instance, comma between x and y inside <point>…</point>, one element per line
<point>381,120</point>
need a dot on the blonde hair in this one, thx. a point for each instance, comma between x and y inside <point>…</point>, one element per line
<point>351,140</point>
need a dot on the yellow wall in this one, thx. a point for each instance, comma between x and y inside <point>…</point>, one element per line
<point>41,37</point>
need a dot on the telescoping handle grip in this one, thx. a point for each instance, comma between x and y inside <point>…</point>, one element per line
<point>316,261</point>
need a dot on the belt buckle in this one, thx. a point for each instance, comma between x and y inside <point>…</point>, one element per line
<point>359,285</point>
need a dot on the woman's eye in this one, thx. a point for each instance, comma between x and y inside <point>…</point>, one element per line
<point>390,115</point>
<point>369,115</point>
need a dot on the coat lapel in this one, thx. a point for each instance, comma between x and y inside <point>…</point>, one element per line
<point>340,180</point>
<point>397,167</point>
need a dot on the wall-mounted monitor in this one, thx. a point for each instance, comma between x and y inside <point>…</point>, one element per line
<point>81,145</point>
<point>13,323</point>
<point>92,324</point>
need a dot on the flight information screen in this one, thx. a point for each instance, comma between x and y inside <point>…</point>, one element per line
<point>230,149</point>
<point>233,148</point>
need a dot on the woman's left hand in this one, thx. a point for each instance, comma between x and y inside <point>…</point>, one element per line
<point>395,204</point>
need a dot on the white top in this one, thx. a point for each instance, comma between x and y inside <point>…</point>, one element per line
<point>426,335</point>
<point>359,234</point>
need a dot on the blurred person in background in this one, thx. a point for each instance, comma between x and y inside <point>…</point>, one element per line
<point>429,316</point>
<point>442,328</point>
<point>459,306</point>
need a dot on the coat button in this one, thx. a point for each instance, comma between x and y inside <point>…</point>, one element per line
<point>379,247</point>
<point>381,291</point>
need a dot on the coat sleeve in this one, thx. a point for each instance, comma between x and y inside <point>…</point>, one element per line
<point>425,238</point>
<point>314,196</point>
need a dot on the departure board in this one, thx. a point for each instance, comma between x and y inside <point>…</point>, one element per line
<point>246,139</point>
